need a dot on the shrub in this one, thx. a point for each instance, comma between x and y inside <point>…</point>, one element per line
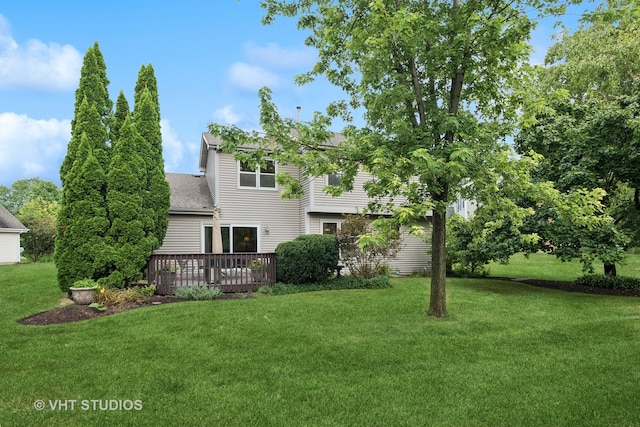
<point>197,292</point>
<point>113,296</point>
<point>367,247</point>
<point>309,258</point>
<point>342,283</point>
<point>609,282</point>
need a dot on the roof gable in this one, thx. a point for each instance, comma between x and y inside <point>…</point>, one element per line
<point>10,222</point>
<point>189,193</point>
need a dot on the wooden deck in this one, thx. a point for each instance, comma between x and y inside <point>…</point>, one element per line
<point>234,272</point>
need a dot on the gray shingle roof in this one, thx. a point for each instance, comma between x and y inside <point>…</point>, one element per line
<point>189,193</point>
<point>8,221</point>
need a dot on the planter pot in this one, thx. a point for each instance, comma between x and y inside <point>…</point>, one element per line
<point>83,296</point>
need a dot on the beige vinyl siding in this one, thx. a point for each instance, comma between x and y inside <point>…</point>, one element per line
<point>210,173</point>
<point>413,257</point>
<point>351,202</point>
<point>184,234</point>
<point>9,248</point>
<point>263,208</point>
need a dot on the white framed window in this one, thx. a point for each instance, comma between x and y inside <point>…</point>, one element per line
<point>235,238</point>
<point>256,176</point>
<point>330,227</point>
<point>334,179</point>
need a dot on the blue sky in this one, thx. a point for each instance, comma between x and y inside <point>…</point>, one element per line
<point>210,59</point>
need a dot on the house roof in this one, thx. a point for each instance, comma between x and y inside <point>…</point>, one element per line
<point>8,222</point>
<point>189,193</point>
<point>213,142</point>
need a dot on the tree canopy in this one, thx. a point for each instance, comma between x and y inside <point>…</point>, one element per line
<point>439,83</point>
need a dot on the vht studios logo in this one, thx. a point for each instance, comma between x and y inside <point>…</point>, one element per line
<point>88,405</point>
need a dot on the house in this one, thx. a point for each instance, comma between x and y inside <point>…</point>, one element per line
<point>253,216</point>
<point>10,230</point>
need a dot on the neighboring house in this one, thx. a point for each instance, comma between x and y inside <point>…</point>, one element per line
<point>253,216</point>
<point>10,230</point>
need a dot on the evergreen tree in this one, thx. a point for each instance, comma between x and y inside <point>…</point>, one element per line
<point>126,193</point>
<point>122,112</point>
<point>87,121</point>
<point>147,79</point>
<point>146,116</point>
<point>92,89</point>
<point>81,251</point>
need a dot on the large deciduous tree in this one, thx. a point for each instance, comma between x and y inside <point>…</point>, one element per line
<point>437,81</point>
<point>24,190</point>
<point>39,216</point>
<point>586,126</point>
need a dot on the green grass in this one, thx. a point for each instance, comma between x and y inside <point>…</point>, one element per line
<point>509,354</point>
<point>548,267</point>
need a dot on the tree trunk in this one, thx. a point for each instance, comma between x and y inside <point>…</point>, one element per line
<point>610,269</point>
<point>438,296</point>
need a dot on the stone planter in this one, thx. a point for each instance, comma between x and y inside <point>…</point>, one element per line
<point>83,296</point>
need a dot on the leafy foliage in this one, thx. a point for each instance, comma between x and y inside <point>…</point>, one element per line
<point>39,216</point>
<point>342,283</point>
<point>24,190</point>
<point>364,251</point>
<point>307,259</point>
<point>197,292</point>
<point>440,83</point>
<point>609,282</point>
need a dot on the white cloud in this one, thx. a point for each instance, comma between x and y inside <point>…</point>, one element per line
<point>172,148</point>
<point>251,77</point>
<point>36,65</point>
<point>274,56</point>
<point>31,147</point>
<point>226,115</point>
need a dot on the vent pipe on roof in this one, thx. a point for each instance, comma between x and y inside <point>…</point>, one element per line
<point>298,108</point>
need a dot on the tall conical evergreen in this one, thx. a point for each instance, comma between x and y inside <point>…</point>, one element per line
<point>146,116</point>
<point>87,121</point>
<point>126,192</point>
<point>122,112</point>
<point>146,79</point>
<point>81,251</point>
<point>93,90</point>
<point>115,205</point>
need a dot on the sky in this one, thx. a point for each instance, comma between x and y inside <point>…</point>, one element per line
<point>210,58</point>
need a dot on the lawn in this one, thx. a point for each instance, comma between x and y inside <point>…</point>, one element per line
<point>509,354</point>
<point>548,267</point>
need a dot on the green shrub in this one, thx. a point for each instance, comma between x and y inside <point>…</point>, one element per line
<point>342,283</point>
<point>197,292</point>
<point>309,258</point>
<point>609,282</point>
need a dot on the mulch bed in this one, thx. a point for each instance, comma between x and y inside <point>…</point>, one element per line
<point>572,287</point>
<point>75,312</point>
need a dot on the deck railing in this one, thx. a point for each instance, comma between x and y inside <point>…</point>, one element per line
<point>230,272</point>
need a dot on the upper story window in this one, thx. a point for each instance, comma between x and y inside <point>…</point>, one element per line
<point>255,176</point>
<point>334,179</point>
